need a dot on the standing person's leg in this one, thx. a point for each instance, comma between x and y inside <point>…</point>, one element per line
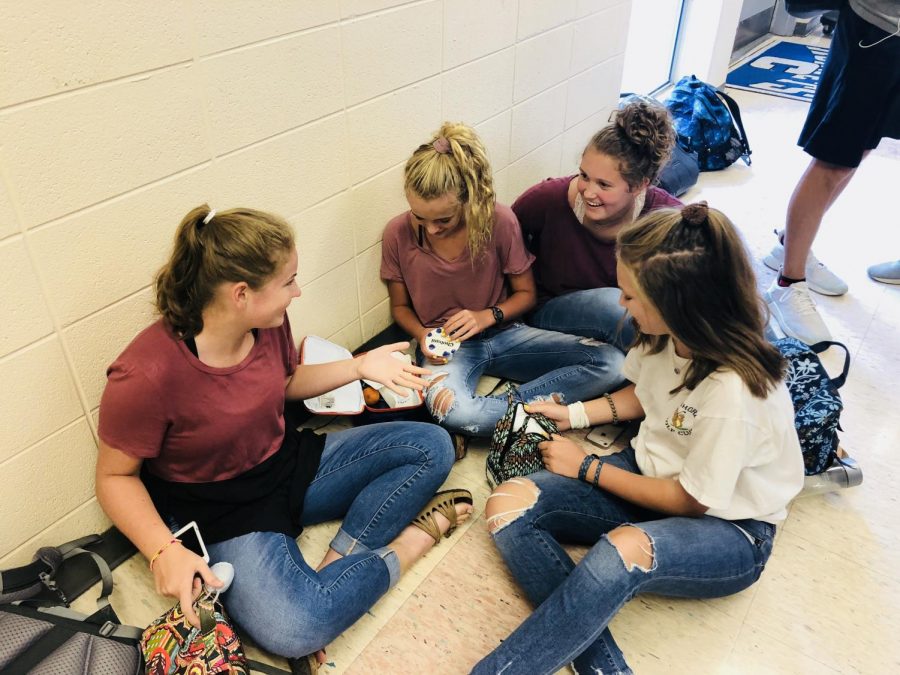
<point>856,104</point>
<point>683,557</point>
<point>594,313</point>
<point>818,188</point>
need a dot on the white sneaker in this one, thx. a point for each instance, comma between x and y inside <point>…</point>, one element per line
<point>820,278</point>
<point>795,312</point>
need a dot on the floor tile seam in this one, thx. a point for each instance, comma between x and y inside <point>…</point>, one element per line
<point>461,530</point>
<point>781,642</point>
<point>889,580</point>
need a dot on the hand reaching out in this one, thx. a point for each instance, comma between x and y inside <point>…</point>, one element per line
<point>394,373</point>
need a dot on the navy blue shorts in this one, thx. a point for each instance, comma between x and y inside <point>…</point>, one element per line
<point>857,102</point>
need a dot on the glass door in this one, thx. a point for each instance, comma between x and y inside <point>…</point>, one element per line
<point>652,34</point>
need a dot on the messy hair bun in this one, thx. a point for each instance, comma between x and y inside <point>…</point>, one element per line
<point>640,136</point>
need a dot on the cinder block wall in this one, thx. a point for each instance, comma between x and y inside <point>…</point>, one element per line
<point>118,117</point>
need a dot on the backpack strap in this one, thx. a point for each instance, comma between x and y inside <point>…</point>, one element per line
<point>820,347</point>
<point>21,583</point>
<point>735,111</point>
<point>37,651</point>
<point>105,573</point>
<point>259,667</point>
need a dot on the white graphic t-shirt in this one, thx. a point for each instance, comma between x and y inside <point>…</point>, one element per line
<point>734,453</point>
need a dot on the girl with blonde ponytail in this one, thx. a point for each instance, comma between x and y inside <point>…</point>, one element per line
<point>456,260</point>
<point>192,428</point>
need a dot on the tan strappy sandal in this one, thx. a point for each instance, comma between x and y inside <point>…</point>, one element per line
<point>444,502</point>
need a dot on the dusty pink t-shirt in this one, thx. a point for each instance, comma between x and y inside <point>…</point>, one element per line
<point>440,288</point>
<point>190,422</point>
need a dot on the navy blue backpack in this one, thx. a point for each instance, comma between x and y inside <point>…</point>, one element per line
<point>708,122</point>
<point>817,403</point>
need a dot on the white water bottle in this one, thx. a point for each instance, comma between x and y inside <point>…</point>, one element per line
<point>844,473</point>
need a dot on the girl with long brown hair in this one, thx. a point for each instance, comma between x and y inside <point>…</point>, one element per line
<point>192,429</point>
<point>689,510</point>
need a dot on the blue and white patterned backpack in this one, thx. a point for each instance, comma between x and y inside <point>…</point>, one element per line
<point>708,122</point>
<point>817,404</point>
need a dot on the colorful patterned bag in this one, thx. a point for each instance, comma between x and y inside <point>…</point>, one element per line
<point>514,444</point>
<point>171,645</point>
<point>817,403</point>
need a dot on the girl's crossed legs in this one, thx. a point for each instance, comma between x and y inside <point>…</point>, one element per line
<point>376,477</point>
<point>634,551</point>
<point>550,365</point>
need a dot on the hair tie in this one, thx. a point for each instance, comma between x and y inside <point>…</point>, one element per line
<point>209,216</point>
<point>441,145</point>
<point>695,214</point>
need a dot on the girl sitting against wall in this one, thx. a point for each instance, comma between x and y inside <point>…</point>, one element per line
<point>456,260</point>
<point>570,223</point>
<point>690,509</point>
<point>192,428</point>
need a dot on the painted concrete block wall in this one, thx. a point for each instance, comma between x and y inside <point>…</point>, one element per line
<point>116,118</point>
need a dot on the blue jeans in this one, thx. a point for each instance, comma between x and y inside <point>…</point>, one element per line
<point>692,558</point>
<point>574,368</point>
<point>376,477</point>
<point>594,313</point>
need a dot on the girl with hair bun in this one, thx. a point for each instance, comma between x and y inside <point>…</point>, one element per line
<point>570,223</point>
<point>192,428</point>
<point>456,261</point>
<point>690,508</point>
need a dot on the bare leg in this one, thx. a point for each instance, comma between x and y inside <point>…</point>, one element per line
<point>413,543</point>
<point>816,191</point>
<point>410,545</point>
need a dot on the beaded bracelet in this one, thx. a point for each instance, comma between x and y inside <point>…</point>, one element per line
<point>612,407</point>
<point>585,463</point>
<point>161,549</point>
<point>600,462</point>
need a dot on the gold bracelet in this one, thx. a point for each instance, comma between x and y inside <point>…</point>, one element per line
<point>161,549</point>
<point>612,407</point>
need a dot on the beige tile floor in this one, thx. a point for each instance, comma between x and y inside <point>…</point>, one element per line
<point>829,601</point>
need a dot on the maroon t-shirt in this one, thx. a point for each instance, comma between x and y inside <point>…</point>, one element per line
<point>569,258</point>
<point>440,288</point>
<point>190,422</point>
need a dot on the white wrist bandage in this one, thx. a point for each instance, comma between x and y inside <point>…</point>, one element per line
<point>578,418</point>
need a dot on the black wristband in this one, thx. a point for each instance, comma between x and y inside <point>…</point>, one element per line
<point>498,314</point>
<point>585,464</point>
<point>600,462</point>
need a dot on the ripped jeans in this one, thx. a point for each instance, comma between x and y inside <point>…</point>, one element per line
<point>566,367</point>
<point>702,557</point>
